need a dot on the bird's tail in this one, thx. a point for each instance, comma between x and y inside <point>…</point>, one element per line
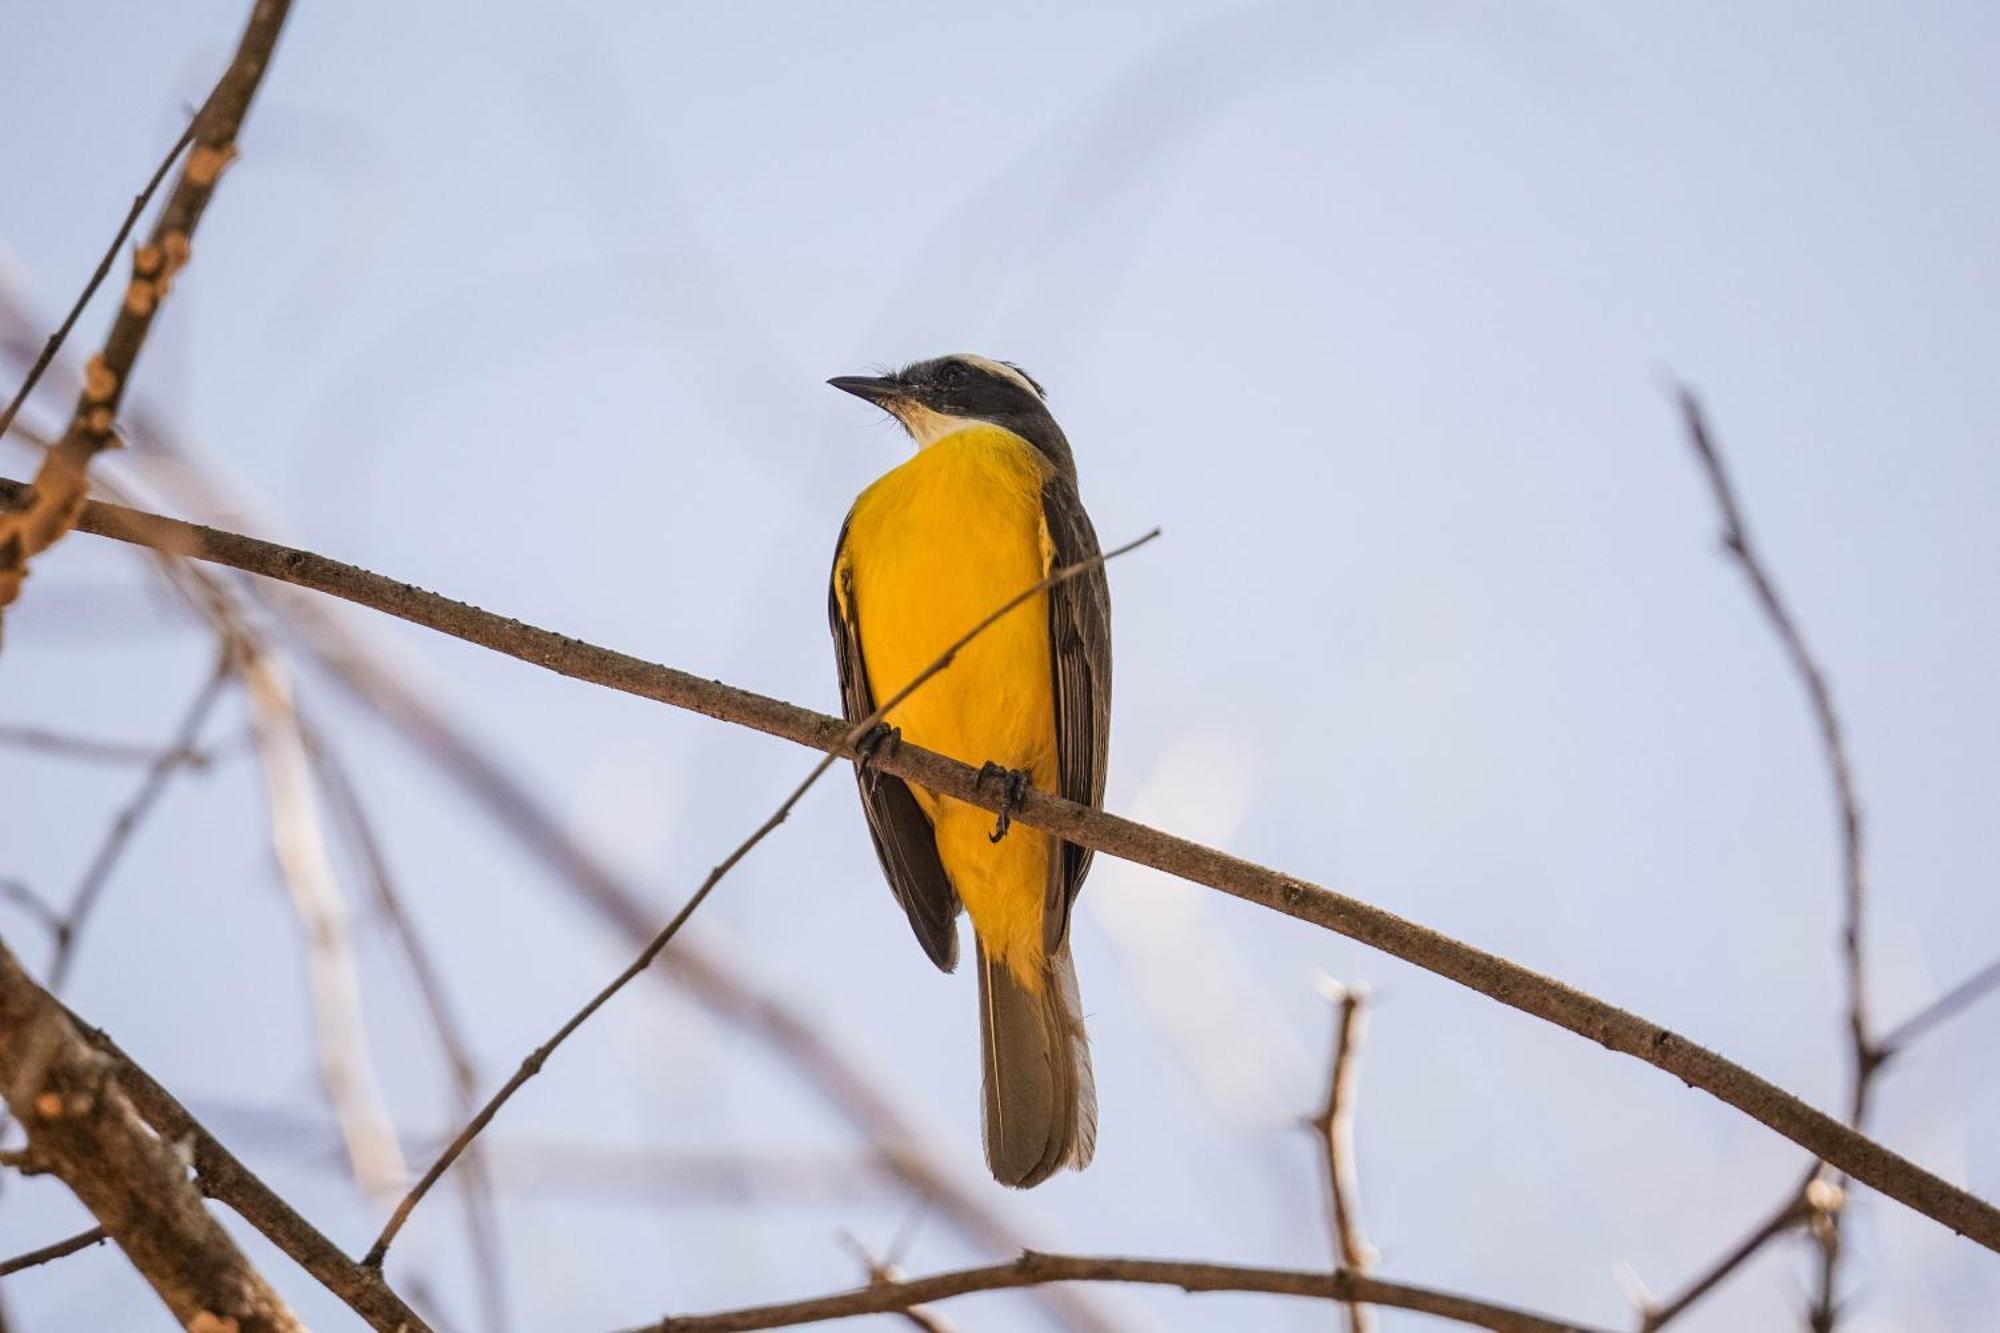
<point>1040,1098</point>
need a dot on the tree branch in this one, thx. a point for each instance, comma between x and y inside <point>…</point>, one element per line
<point>227,1180</point>
<point>1821,1199</point>
<point>854,735</point>
<point>1335,1128</point>
<point>60,485</point>
<point>48,1254</point>
<point>82,1126</point>
<point>1510,983</point>
<point>1032,1268</point>
<point>167,760</point>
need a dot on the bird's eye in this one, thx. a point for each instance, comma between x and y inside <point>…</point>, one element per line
<point>953,373</point>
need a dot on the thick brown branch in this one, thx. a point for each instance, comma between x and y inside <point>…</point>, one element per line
<point>82,1126</point>
<point>1032,1269</point>
<point>60,484</point>
<point>1510,983</point>
<point>226,1180</point>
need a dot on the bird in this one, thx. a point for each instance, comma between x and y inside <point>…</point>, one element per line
<point>985,509</point>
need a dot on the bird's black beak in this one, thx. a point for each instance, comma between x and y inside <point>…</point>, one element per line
<point>874,390</point>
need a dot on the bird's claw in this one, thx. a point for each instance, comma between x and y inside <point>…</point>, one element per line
<point>1015,786</point>
<point>881,736</point>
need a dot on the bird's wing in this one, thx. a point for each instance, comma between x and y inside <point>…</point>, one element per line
<point>904,839</point>
<point>1080,645</point>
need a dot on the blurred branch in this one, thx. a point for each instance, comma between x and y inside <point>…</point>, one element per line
<point>168,760</point>
<point>59,493</point>
<point>340,1030</point>
<point>18,893</point>
<point>1032,1268</point>
<point>482,1224</point>
<point>91,749</point>
<point>854,736</point>
<point>1491,975</point>
<point>1335,1128</point>
<point>1948,1005</point>
<point>882,1273</point>
<point>225,1179</point>
<point>82,1126</point>
<point>48,1254</point>
<point>1790,1214</point>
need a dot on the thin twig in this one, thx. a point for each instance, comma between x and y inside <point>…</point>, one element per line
<point>853,736</point>
<point>1334,1126</point>
<point>167,761</point>
<point>880,1272</point>
<point>1865,1055</point>
<point>62,1249</point>
<point>60,485</point>
<point>18,893</point>
<point>481,1221</point>
<point>1788,1216</point>
<point>1948,1005</point>
<point>1031,1269</point>
<point>139,202</point>
<point>90,749</point>
<point>1498,978</point>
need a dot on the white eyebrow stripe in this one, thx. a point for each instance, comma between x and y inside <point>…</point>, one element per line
<point>1000,368</point>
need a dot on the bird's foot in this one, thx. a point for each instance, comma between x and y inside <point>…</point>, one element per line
<point>1014,786</point>
<point>881,737</point>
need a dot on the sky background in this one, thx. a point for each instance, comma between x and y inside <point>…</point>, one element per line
<point>1372,308</point>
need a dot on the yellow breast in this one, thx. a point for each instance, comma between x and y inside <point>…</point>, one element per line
<point>933,548</point>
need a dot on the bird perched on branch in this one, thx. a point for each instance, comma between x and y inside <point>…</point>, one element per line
<point>986,509</point>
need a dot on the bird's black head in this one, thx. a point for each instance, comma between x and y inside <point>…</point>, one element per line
<point>935,398</point>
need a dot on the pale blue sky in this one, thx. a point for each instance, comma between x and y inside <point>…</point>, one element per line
<point>1370,308</point>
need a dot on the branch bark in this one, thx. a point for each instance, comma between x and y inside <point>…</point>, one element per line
<point>83,1127</point>
<point>1032,1269</point>
<point>1510,983</point>
<point>222,1177</point>
<point>26,530</point>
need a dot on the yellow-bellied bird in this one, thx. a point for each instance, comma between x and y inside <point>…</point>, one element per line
<point>987,508</point>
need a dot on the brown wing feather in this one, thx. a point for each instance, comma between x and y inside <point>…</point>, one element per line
<point>905,842</point>
<point>1080,645</point>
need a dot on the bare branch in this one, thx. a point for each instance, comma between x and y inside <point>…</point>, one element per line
<point>481,1222</point>
<point>346,1071</point>
<point>225,1179</point>
<point>18,893</point>
<point>168,760</point>
<point>1032,1268</point>
<point>853,736</point>
<point>1822,1197</point>
<point>82,1126</point>
<point>62,1249</point>
<point>1946,1006</point>
<point>1508,982</point>
<point>60,484</point>
<point>1335,1127</point>
<point>90,748</point>
<point>1788,1216</point>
